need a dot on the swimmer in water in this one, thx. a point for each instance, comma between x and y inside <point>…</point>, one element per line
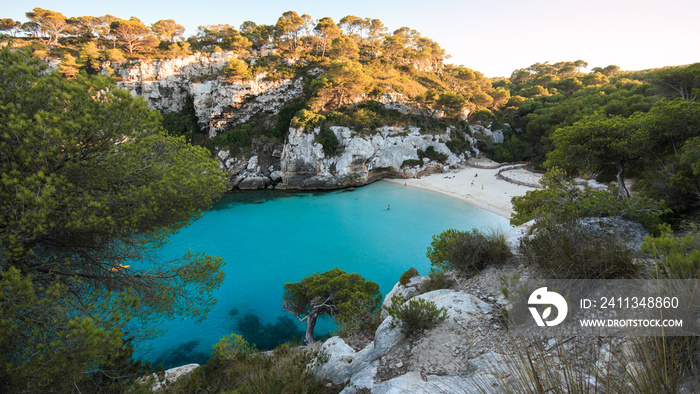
<point>388,207</point>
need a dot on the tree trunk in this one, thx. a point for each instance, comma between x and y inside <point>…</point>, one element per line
<point>624,193</point>
<point>310,324</point>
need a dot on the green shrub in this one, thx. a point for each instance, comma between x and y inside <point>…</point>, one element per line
<point>231,347</point>
<point>326,137</point>
<point>406,276</point>
<point>305,118</point>
<point>677,257</point>
<point>432,154</point>
<point>416,315</point>
<point>237,70</point>
<point>411,163</point>
<point>467,251</point>
<point>566,251</point>
<point>283,371</point>
<point>563,200</point>
<point>437,280</point>
<point>458,143</point>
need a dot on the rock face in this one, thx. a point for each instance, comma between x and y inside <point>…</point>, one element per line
<point>390,364</point>
<point>299,162</point>
<point>167,84</point>
<point>362,158</point>
<point>169,376</point>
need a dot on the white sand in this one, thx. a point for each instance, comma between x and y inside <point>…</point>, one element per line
<point>487,193</point>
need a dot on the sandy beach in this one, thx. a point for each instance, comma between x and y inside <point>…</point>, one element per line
<point>476,186</point>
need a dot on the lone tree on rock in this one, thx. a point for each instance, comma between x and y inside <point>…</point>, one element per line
<point>329,293</point>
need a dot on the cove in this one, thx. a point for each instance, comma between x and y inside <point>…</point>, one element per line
<point>268,238</point>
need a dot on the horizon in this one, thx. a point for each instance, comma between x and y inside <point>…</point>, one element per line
<point>654,36</point>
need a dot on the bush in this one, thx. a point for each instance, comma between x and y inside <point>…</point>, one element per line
<point>406,276</point>
<point>432,154</point>
<point>283,371</point>
<point>566,251</point>
<point>437,280</point>
<point>416,315</point>
<point>327,138</point>
<point>305,118</point>
<point>411,163</point>
<point>563,200</point>
<point>467,252</point>
<point>677,257</point>
<point>231,347</point>
<point>237,70</point>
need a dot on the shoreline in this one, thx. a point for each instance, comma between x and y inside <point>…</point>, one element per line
<point>486,192</point>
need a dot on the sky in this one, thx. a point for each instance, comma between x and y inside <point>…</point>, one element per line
<point>494,37</point>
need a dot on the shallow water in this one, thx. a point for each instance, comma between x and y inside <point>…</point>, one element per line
<point>269,238</point>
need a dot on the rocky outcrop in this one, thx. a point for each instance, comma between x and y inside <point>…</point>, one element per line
<point>299,162</point>
<point>391,152</point>
<point>395,364</point>
<point>219,105</point>
<point>162,380</point>
<point>496,136</point>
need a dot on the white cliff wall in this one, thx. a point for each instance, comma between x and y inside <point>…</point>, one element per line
<point>362,158</point>
<point>166,84</point>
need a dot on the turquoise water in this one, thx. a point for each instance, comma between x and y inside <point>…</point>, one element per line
<point>268,238</point>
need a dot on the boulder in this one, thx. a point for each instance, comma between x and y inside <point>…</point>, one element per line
<point>252,183</point>
<point>410,290</point>
<point>169,376</point>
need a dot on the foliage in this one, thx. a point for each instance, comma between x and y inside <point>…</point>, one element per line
<point>327,138</point>
<point>283,371</point>
<point>466,251</point>
<point>232,346</point>
<point>406,276</point>
<point>459,142</point>
<point>305,118</point>
<point>567,251</point>
<point>329,293</point>
<point>411,163</point>
<point>183,123</point>
<point>432,154</point>
<point>642,365</point>
<point>356,320</point>
<point>167,29</point>
<point>343,82</point>
<point>133,35</point>
<point>598,140</point>
<point>236,71</point>
<point>90,185</point>
<point>437,279</point>
<point>415,315</point>
<point>677,257</point>
<point>562,200</point>
<point>682,82</point>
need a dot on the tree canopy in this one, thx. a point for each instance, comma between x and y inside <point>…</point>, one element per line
<point>90,184</point>
<point>329,293</point>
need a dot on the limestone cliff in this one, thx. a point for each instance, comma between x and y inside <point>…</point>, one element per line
<point>362,158</point>
<point>219,105</point>
<point>298,162</point>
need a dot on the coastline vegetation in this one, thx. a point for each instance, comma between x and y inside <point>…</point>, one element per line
<point>91,179</point>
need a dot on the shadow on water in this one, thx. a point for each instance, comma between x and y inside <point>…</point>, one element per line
<point>262,196</point>
<point>268,336</point>
<point>265,336</point>
<point>184,353</point>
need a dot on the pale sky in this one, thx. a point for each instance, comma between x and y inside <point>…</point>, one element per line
<point>494,37</point>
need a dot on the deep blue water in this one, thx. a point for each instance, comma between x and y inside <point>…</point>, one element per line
<point>268,238</point>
